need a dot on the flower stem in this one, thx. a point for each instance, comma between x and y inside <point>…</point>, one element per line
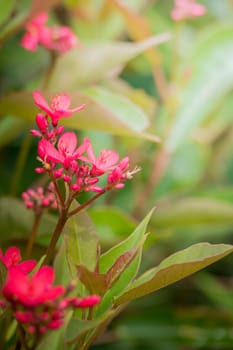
<point>84,205</point>
<point>24,150</point>
<point>56,234</point>
<point>32,237</point>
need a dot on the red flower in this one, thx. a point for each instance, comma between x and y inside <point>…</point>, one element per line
<point>59,107</point>
<point>13,257</point>
<point>31,290</point>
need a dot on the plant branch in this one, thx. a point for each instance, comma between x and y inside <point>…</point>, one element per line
<point>56,234</point>
<point>89,201</point>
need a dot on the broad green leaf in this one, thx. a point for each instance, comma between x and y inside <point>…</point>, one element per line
<point>208,85</point>
<point>3,272</point>
<point>95,116</point>
<point>136,239</point>
<point>76,328</point>
<point>214,290</point>
<point>129,113</point>
<point>112,224</point>
<point>10,127</point>
<point>125,278</point>
<point>98,283</point>
<point>193,212</point>
<point>133,241</point>
<point>53,340</point>
<point>82,244</point>
<point>62,271</point>
<point>6,9</point>
<point>174,268</point>
<point>16,221</point>
<point>91,64</point>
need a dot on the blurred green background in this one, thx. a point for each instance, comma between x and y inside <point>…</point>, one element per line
<point>181,91</point>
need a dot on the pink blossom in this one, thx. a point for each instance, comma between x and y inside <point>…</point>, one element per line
<point>35,30</point>
<point>12,258</point>
<point>56,38</point>
<point>60,38</point>
<point>38,198</point>
<point>185,9</point>
<point>86,302</point>
<point>65,152</point>
<point>59,107</point>
<point>105,162</point>
<point>31,290</point>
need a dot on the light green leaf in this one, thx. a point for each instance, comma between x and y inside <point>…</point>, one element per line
<point>90,64</point>
<point>82,244</point>
<point>212,79</point>
<point>174,268</point>
<point>129,113</point>
<point>133,241</point>
<point>95,116</point>
<point>193,212</point>
<point>6,9</point>
<point>10,127</point>
<point>17,221</point>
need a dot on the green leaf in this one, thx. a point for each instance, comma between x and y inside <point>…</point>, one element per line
<point>212,73</point>
<point>174,268</point>
<point>95,116</point>
<point>98,283</point>
<point>107,260</point>
<point>194,212</point>
<point>90,64</point>
<point>112,224</point>
<point>3,273</point>
<point>17,221</point>
<point>82,244</point>
<point>76,328</point>
<point>125,110</point>
<point>6,9</point>
<point>53,340</point>
<point>62,271</point>
<point>10,127</point>
<point>95,282</point>
<point>133,241</point>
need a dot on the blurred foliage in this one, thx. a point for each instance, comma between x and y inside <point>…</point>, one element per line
<point>144,78</point>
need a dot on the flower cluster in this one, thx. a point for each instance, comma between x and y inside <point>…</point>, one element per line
<point>62,157</point>
<point>185,9</point>
<point>56,38</point>
<point>38,199</point>
<point>36,303</point>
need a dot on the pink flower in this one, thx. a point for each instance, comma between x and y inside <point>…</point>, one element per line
<point>105,162</point>
<point>35,30</point>
<point>60,39</point>
<point>185,9</point>
<point>38,198</point>
<point>59,107</point>
<point>12,258</point>
<point>31,290</point>
<point>85,302</point>
<point>66,150</point>
<point>57,38</point>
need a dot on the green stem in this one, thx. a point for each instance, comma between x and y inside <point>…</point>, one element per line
<point>52,63</point>
<point>20,164</point>
<point>32,237</point>
<point>22,341</point>
<point>56,234</point>
<point>89,201</point>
